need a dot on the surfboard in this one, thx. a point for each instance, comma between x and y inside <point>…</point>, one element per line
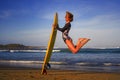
<point>50,46</point>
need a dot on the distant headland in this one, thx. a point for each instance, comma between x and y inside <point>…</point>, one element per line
<point>20,47</point>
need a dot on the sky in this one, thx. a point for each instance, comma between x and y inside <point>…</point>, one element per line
<point>29,22</point>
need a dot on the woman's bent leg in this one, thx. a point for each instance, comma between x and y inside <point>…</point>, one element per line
<point>81,42</point>
<point>70,45</point>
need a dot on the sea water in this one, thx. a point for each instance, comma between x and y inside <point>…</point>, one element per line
<point>100,60</point>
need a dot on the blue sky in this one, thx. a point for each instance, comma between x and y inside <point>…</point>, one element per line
<point>29,22</point>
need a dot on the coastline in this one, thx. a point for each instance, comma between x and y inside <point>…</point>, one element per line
<point>20,73</point>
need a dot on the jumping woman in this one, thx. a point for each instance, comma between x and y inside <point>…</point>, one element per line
<point>65,35</point>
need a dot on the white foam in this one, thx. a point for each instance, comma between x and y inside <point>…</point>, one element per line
<point>29,62</point>
<point>82,63</point>
<point>107,64</point>
<point>32,51</point>
<point>111,64</point>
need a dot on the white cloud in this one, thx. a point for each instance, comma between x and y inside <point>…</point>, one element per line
<point>5,14</point>
<point>99,37</point>
<point>39,36</point>
<point>100,21</point>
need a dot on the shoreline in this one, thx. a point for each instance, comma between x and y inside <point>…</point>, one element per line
<point>17,65</point>
<point>20,73</point>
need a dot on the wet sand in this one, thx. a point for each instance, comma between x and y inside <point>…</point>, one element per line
<point>12,73</point>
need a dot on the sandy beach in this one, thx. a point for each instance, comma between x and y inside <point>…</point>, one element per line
<point>35,74</point>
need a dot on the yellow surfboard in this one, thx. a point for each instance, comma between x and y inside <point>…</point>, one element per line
<point>50,46</point>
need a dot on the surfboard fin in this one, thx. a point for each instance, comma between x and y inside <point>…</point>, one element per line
<point>47,66</point>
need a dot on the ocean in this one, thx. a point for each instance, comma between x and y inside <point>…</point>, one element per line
<point>98,60</point>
